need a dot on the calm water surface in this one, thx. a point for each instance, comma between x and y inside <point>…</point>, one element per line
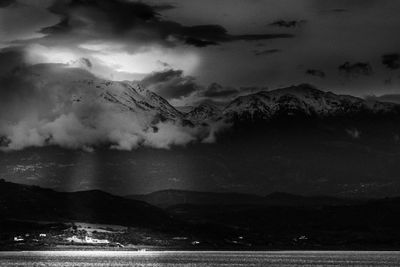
<point>198,259</point>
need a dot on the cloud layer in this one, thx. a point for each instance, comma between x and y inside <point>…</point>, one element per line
<point>58,104</point>
<point>136,23</point>
<point>170,83</point>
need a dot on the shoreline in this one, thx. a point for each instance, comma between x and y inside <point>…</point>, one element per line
<point>197,251</point>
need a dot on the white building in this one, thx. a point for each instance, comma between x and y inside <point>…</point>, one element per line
<point>18,239</point>
<point>87,240</point>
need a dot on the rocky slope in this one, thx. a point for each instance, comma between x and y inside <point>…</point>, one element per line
<point>35,203</point>
<point>203,113</point>
<point>300,100</point>
<point>303,100</point>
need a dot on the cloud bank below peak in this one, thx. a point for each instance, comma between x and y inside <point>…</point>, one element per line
<point>59,104</point>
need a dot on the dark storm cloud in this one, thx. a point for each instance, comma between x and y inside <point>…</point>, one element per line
<point>164,64</point>
<point>356,69</point>
<point>120,15</point>
<point>223,94</point>
<point>314,72</point>
<point>257,37</point>
<point>86,62</point>
<point>216,90</point>
<point>170,84</point>
<point>266,52</point>
<point>10,59</point>
<point>137,21</point>
<point>160,77</point>
<point>17,92</point>
<point>6,3</point>
<point>391,61</point>
<point>164,7</point>
<point>252,89</point>
<point>198,42</point>
<point>287,23</point>
<point>106,30</point>
<point>203,35</point>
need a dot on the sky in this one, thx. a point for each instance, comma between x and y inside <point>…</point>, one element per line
<point>188,52</point>
<point>216,49</point>
<point>55,53</point>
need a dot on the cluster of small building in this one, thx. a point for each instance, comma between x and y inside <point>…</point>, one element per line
<point>300,238</point>
<point>28,236</point>
<point>87,240</point>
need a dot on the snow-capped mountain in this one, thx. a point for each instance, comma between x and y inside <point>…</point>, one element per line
<point>204,112</point>
<point>135,94</point>
<point>303,99</point>
<point>84,88</point>
<point>70,107</point>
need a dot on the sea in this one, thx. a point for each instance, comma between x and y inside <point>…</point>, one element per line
<point>199,258</point>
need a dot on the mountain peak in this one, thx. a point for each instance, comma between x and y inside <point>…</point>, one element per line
<point>204,112</point>
<point>304,100</point>
<point>301,90</point>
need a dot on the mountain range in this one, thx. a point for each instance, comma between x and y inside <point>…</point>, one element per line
<point>301,100</point>
<point>79,86</point>
<point>169,198</point>
<point>24,202</point>
<point>297,140</point>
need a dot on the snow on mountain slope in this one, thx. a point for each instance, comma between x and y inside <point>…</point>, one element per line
<point>162,105</point>
<point>132,97</point>
<point>80,86</point>
<point>55,104</point>
<point>303,99</point>
<point>204,112</point>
